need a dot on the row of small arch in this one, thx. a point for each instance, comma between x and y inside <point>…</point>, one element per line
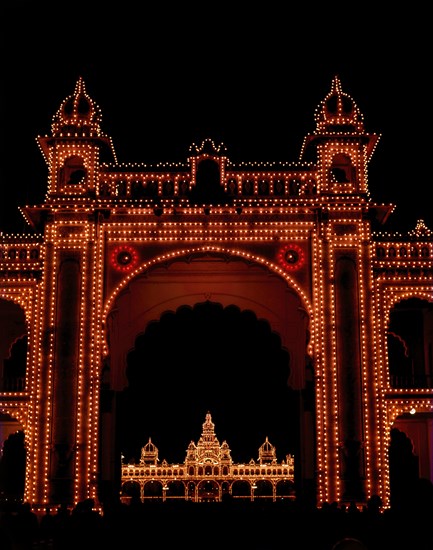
<point>19,253</point>
<point>178,488</point>
<point>403,252</point>
<point>211,470</point>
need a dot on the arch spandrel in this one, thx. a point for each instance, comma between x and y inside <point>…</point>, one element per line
<point>19,301</point>
<point>13,414</point>
<point>125,263</point>
<point>227,280</point>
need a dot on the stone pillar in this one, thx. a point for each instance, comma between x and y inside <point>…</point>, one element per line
<point>349,380</point>
<point>65,379</point>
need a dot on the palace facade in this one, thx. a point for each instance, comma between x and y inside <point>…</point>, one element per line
<point>302,245</point>
<point>209,474</point>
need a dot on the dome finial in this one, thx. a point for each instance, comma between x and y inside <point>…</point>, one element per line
<point>336,85</point>
<point>78,114</point>
<point>338,113</point>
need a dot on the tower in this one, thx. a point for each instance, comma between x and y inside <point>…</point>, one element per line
<point>64,463</point>
<point>345,398</point>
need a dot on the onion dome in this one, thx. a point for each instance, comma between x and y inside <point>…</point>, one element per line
<point>78,115</point>
<point>267,453</point>
<point>149,453</point>
<point>338,113</point>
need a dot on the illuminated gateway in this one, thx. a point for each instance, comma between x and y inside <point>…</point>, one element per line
<point>116,248</point>
<point>209,474</point>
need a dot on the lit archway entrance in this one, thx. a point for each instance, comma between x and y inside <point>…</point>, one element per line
<point>207,333</point>
<point>207,358</point>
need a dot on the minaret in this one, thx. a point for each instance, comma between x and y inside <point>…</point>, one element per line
<point>66,469</point>
<point>341,145</point>
<point>342,148</point>
<point>76,148</point>
<point>208,446</point>
<point>149,453</point>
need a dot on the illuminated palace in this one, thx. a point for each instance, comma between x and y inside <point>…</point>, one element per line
<point>115,247</point>
<point>209,474</point>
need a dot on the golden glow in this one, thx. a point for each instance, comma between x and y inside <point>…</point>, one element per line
<point>322,210</point>
<point>208,460</point>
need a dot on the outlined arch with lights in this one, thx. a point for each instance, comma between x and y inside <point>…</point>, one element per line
<point>22,299</point>
<point>391,412</point>
<point>177,254</point>
<point>24,306</point>
<point>18,414</point>
<point>404,406</point>
<point>398,295</point>
<point>334,164</point>
<point>390,301</point>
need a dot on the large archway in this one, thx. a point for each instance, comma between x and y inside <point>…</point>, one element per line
<point>207,358</point>
<point>207,332</point>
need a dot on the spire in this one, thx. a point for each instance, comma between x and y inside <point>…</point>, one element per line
<point>78,115</point>
<point>421,230</point>
<point>338,118</point>
<point>149,453</point>
<point>336,85</point>
<point>267,453</point>
<point>338,112</point>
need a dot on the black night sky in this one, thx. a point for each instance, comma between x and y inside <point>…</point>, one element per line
<point>167,78</point>
<point>250,78</point>
<point>208,359</point>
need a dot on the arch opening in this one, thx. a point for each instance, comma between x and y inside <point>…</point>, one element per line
<point>207,357</point>
<point>410,466</point>
<point>225,336</point>
<point>410,344</point>
<point>12,459</point>
<point>13,346</point>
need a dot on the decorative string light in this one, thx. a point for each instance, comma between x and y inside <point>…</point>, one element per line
<point>295,220</point>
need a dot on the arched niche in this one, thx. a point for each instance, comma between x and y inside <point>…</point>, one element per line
<point>410,459</point>
<point>12,458</point>
<point>73,172</point>
<point>13,346</point>
<point>410,343</point>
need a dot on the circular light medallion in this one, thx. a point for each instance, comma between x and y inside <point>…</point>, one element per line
<point>291,257</point>
<point>124,258</point>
